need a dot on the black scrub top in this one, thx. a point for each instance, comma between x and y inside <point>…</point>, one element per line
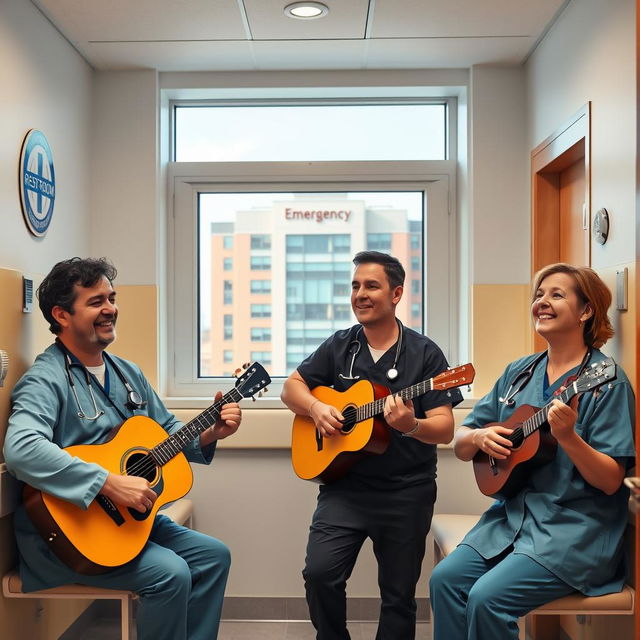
<point>407,461</point>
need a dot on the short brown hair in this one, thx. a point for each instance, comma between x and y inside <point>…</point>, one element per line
<point>590,289</point>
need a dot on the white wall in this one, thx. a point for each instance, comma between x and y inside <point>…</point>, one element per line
<point>500,220</point>
<point>47,86</point>
<point>589,55</point>
<point>124,179</point>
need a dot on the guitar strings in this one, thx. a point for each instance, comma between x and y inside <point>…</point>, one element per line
<point>148,464</point>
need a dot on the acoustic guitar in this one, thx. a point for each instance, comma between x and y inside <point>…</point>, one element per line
<point>107,535</point>
<point>532,441</point>
<point>324,460</point>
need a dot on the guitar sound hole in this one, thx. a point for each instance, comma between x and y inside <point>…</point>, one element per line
<point>349,423</point>
<point>142,465</point>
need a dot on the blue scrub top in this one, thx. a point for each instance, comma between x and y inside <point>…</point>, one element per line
<point>559,520</point>
<point>44,420</point>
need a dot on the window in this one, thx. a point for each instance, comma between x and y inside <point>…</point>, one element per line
<point>260,241</point>
<point>227,297</point>
<point>228,355</point>
<point>260,310</point>
<point>407,130</point>
<point>379,242</point>
<point>261,286</point>
<point>260,334</point>
<point>260,263</point>
<point>263,357</point>
<point>289,232</point>
<point>228,327</point>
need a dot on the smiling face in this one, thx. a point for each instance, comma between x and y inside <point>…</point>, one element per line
<point>557,310</point>
<point>373,300</point>
<point>91,327</point>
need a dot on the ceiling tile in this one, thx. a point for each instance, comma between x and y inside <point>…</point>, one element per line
<point>267,21</point>
<point>450,18</point>
<point>99,20</point>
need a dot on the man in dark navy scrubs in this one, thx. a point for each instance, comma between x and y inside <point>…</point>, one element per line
<point>388,498</point>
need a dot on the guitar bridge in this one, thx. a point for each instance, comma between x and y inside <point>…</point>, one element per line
<point>110,509</point>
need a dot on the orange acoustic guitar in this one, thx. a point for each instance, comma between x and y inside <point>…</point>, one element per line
<point>107,535</point>
<point>326,459</point>
<point>533,443</point>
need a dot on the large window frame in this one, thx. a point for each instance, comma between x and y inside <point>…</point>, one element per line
<point>437,179</point>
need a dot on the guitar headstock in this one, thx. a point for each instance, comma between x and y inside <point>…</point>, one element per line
<point>455,377</point>
<point>595,375</point>
<point>252,379</point>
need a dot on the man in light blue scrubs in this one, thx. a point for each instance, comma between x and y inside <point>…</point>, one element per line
<point>562,532</point>
<point>75,393</point>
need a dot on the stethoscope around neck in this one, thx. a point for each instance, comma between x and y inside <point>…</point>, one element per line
<point>354,349</point>
<point>523,376</point>
<point>134,399</point>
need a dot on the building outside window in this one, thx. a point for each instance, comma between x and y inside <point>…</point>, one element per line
<point>228,326</point>
<point>260,263</point>
<point>227,264</point>
<point>227,297</point>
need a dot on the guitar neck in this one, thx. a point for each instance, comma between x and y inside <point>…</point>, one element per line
<point>175,443</point>
<point>540,417</point>
<point>376,407</point>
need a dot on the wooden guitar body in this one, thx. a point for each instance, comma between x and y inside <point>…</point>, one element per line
<point>326,459</point>
<point>98,539</point>
<point>506,477</point>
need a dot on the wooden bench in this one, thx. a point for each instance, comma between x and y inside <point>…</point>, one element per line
<point>449,529</point>
<point>180,511</point>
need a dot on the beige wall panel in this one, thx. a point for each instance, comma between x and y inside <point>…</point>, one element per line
<point>138,327</point>
<point>501,330</point>
<point>23,336</point>
<point>268,428</point>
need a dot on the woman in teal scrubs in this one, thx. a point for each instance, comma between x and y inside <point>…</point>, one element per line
<point>562,532</point>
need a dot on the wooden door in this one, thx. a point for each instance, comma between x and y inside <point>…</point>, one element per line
<point>560,188</point>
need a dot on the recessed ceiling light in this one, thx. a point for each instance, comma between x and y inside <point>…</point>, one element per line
<point>306,10</point>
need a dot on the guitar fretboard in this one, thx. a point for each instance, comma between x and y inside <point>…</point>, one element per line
<point>540,417</point>
<point>176,442</point>
<point>376,407</point>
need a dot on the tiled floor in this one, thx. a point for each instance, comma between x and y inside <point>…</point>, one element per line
<point>108,629</point>
<point>301,631</point>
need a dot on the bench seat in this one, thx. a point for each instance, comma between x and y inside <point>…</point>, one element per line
<point>449,529</point>
<point>180,511</point>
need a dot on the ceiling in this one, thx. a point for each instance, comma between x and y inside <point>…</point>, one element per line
<point>255,35</point>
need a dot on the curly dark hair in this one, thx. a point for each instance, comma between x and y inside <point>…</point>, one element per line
<point>58,287</point>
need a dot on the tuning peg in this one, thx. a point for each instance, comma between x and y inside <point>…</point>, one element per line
<point>237,372</point>
<point>266,389</point>
<point>253,398</point>
<point>245,365</point>
<point>469,388</point>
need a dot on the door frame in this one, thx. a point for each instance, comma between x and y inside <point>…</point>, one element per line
<point>570,142</point>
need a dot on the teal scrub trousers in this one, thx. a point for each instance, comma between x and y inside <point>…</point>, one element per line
<point>477,599</point>
<point>180,577</point>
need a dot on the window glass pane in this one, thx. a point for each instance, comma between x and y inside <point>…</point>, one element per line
<point>284,133</point>
<point>294,290</point>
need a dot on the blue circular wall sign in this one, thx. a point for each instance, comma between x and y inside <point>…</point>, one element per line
<point>37,182</point>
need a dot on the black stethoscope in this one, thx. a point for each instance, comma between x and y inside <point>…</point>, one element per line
<point>354,350</point>
<point>134,399</point>
<point>527,373</point>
